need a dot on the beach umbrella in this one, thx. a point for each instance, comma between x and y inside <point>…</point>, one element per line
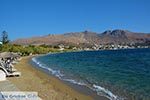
<point>8,55</point>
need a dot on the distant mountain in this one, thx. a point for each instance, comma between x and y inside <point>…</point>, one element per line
<point>87,38</point>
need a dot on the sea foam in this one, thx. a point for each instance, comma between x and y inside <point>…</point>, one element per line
<point>56,73</point>
<point>101,91</point>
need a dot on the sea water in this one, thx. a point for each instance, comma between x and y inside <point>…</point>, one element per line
<point>115,74</point>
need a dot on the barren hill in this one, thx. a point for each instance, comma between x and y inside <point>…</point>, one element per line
<point>87,38</point>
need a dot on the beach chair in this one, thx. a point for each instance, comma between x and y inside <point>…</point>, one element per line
<point>7,68</point>
<point>8,74</point>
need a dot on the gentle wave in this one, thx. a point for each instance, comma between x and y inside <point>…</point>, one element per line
<point>108,93</point>
<point>101,91</point>
<point>56,73</point>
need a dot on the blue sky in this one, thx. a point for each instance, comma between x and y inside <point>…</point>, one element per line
<point>28,18</point>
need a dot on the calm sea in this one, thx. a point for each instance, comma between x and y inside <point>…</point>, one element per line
<point>115,74</point>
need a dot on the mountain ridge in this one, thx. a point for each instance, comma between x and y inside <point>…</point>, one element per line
<point>87,37</point>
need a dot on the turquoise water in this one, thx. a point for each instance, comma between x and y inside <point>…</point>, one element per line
<point>115,74</point>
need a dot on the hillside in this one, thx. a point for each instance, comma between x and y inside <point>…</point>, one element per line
<point>87,38</point>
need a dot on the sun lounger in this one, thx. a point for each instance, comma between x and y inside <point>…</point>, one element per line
<point>2,76</point>
<point>7,68</point>
<point>8,74</point>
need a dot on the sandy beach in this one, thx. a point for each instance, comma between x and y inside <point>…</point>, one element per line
<point>48,87</point>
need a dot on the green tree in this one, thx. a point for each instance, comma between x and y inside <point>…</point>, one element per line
<point>0,47</point>
<point>5,39</point>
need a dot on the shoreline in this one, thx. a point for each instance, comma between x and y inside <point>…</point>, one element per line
<point>47,86</point>
<point>79,88</point>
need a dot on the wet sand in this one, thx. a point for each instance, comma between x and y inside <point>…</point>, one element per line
<point>47,86</point>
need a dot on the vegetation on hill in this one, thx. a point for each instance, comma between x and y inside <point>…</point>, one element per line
<point>31,49</point>
<point>6,46</point>
<point>90,41</point>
